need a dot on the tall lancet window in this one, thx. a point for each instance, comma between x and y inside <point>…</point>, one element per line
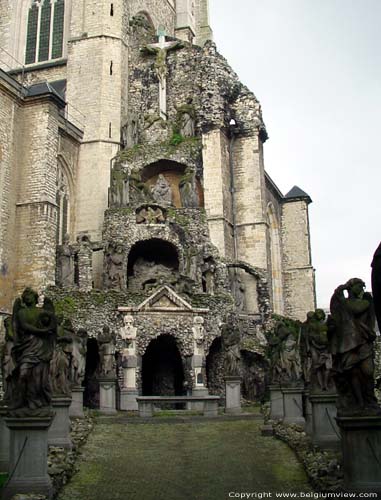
<point>45,32</point>
<point>63,206</point>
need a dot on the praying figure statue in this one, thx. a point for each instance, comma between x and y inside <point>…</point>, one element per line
<point>352,336</point>
<point>35,332</point>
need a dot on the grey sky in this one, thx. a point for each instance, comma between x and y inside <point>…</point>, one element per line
<point>315,65</point>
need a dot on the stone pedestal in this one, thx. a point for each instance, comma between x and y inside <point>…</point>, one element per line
<point>276,403</point>
<point>361,445</point>
<point>128,399</point>
<point>325,432</point>
<point>198,391</point>
<point>59,432</point>
<point>307,408</point>
<point>293,405</point>
<point>76,407</point>
<point>107,396</point>
<point>233,395</point>
<point>4,440</point>
<point>28,457</point>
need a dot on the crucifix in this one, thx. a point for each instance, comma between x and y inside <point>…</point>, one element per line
<point>161,48</point>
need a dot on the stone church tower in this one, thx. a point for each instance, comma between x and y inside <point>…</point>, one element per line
<point>132,177</point>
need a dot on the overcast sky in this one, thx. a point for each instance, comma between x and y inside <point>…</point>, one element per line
<point>315,66</point>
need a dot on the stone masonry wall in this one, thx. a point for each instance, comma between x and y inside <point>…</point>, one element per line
<point>298,273</point>
<point>6,61</point>
<point>9,137</point>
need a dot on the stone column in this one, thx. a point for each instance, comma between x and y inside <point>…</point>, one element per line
<point>129,390</point>
<point>293,405</point>
<point>361,445</point>
<point>107,395</point>
<point>59,432</point>
<point>276,402</point>
<point>4,440</point>
<point>28,457</point>
<point>198,362</point>
<point>233,395</point>
<point>325,432</point>
<point>76,407</point>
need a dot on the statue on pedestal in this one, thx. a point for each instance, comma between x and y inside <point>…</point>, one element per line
<point>284,354</point>
<point>61,361</point>
<point>351,334</point>
<point>35,332</point>
<point>114,266</point>
<point>78,357</point>
<point>316,346</point>
<point>231,338</point>
<point>107,363</point>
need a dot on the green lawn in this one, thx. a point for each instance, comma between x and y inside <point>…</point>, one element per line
<point>183,461</point>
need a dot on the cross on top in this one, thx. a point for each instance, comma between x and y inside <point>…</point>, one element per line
<point>161,48</point>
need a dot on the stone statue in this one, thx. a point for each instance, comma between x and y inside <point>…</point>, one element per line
<point>61,361</point>
<point>130,132</point>
<point>376,284</point>
<point>315,338</point>
<point>208,272</point>
<point>162,191</point>
<point>149,274</point>
<point>150,215</point>
<point>284,355</point>
<point>35,332</point>
<point>138,191</point>
<point>198,335</point>
<point>7,363</point>
<point>119,186</point>
<point>188,189</point>
<point>351,334</point>
<point>239,291</point>
<point>65,263</point>
<point>114,266</point>
<point>187,125</point>
<point>305,355</point>
<point>231,338</point>
<point>128,330</point>
<point>106,354</point>
<point>78,357</point>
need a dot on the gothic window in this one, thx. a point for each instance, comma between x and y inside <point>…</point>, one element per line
<point>63,206</point>
<point>45,30</point>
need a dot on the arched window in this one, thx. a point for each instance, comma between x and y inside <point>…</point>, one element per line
<point>63,204</point>
<point>45,31</point>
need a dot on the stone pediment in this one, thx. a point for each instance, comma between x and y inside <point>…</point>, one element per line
<point>164,300</point>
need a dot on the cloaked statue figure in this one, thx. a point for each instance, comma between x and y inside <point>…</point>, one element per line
<point>35,332</point>
<point>351,333</point>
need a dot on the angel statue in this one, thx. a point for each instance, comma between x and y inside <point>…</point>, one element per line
<point>35,332</point>
<point>351,334</point>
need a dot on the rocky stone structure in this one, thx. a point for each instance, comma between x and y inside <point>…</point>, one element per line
<point>137,175</point>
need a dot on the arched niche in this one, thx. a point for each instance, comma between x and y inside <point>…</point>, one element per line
<point>174,173</point>
<point>275,261</point>
<point>215,367</point>
<point>162,368</point>
<point>152,263</point>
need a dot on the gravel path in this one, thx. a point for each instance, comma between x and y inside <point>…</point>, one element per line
<point>192,461</point>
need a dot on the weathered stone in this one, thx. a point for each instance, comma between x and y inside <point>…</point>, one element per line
<point>233,395</point>
<point>59,431</point>
<point>325,432</point>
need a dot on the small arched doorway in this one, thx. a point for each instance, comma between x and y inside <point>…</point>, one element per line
<point>91,394</point>
<point>162,368</point>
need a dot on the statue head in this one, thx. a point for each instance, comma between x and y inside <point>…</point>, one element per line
<point>66,239</point>
<point>355,287</point>
<point>29,297</point>
<point>198,320</point>
<point>320,315</point>
<point>310,315</point>
<point>128,320</point>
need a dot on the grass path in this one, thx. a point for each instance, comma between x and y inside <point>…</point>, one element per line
<point>192,461</point>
